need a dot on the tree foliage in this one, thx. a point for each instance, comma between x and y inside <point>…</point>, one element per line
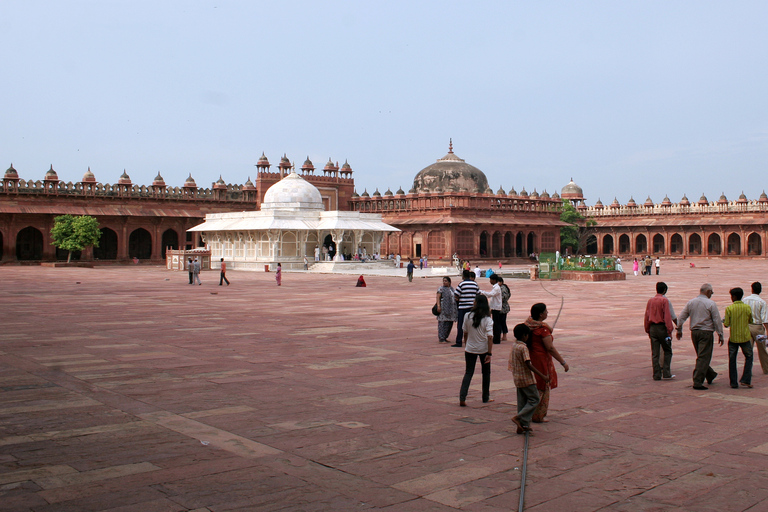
<point>75,233</point>
<point>576,234</point>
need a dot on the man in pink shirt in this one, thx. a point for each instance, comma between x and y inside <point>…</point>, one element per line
<point>658,325</point>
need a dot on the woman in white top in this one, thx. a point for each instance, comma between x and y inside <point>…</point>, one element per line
<point>478,340</point>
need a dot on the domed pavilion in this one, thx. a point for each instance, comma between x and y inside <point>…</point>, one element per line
<point>291,224</point>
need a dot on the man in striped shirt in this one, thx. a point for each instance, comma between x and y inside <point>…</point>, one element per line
<point>465,297</point>
<point>738,317</point>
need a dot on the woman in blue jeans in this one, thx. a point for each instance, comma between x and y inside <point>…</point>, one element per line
<point>478,340</point>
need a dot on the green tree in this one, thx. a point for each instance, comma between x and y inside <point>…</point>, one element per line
<point>576,233</point>
<point>75,233</point>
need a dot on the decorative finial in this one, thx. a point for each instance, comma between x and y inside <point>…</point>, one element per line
<point>450,145</point>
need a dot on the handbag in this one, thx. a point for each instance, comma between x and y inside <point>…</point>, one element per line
<point>434,310</point>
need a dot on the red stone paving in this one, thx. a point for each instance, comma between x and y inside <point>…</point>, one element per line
<point>126,389</point>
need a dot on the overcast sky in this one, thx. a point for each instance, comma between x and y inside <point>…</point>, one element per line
<point>629,99</point>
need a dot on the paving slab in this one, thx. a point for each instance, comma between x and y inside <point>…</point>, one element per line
<point>124,388</point>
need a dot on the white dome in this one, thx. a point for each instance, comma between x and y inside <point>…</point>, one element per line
<point>292,193</point>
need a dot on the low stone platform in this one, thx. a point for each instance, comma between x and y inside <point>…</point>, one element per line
<point>134,391</point>
<point>580,275</point>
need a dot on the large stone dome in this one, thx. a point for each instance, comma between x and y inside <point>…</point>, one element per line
<point>451,174</point>
<point>292,193</point>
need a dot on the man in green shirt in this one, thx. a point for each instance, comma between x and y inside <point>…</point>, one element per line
<point>738,316</point>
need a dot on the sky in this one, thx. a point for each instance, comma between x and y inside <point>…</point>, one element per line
<point>630,99</point>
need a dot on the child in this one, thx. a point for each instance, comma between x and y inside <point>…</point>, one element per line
<point>521,368</point>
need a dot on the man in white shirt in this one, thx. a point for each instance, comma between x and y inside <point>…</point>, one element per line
<point>658,264</point>
<point>759,322</point>
<point>494,301</point>
<point>477,271</point>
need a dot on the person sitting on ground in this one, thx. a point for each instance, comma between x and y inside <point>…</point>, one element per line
<point>521,367</point>
<point>360,282</point>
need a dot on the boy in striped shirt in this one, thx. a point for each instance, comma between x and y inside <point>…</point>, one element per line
<point>738,316</point>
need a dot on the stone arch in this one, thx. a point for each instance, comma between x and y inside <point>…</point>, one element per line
<point>734,244</point>
<point>658,243</point>
<point>107,249</point>
<point>608,244</point>
<point>508,246</point>
<point>484,244</point>
<point>465,244</point>
<point>436,244</point>
<point>624,246</point>
<point>714,245</point>
<point>694,244</point>
<point>170,239</point>
<point>289,245</point>
<point>531,242</point>
<point>641,244</point>
<point>496,244</point>
<point>29,244</point>
<point>754,245</point>
<point>140,244</point>
<point>676,244</point>
<point>591,246</point>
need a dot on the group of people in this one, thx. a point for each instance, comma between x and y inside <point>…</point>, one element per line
<point>193,266</point>
<point>746,317</point>
<point>481,317</point>
<point>645,265</point>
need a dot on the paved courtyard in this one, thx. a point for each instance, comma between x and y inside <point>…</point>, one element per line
<point>126,389</point>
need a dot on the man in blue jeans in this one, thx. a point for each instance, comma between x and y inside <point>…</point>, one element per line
<point>465,298</point>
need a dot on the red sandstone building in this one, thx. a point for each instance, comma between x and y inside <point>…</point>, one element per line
<point>449,210</point>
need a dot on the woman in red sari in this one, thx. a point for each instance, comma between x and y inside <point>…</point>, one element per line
<point>542,350</point>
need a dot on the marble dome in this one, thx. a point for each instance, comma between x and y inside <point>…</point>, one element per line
<point>450,174</point>
<point>292,193</point>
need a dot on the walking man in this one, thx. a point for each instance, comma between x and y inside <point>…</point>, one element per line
<point>196,271</point>
<point>659,326</point>
<point>409,270</point>
<point>658,264</point>
<point>705,320</point>
<point>738,316</point>
<point>223,273</point>
<point>759,323</point>
<point>191,269</point>
<point>465,297</point>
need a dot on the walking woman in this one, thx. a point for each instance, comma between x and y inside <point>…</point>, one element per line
<point>478,340</point>
<point>446,309</point>
<point>279,274</point>
<point>542,351</point>
<point>635,266</point>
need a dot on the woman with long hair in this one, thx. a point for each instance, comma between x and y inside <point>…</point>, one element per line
<point>478,340</point>
<point>447,312</point>
<point>542,350</point>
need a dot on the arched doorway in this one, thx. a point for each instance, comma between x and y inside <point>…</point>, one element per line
<point>328,242</point>
<point>170,240</point>
<point>734,244</point>
<point>694,244</point>
<point>624,247</point>
<point>107,249</point>
<point>641,244</point>
<point>676,244</point>
<point>531,242</point>
<point>140,244</point>
<point>754,245</point>
<point>29,244</point>
<point>508,245</point>
<point>496,245</point>
<point>484,244</point>
<point>591,247</point>
<point>608,244</point>
<point>713,244</point>
<point>519,244</point>
<point>658,244</point>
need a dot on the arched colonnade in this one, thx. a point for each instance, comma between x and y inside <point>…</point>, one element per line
<point>724,242</point>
